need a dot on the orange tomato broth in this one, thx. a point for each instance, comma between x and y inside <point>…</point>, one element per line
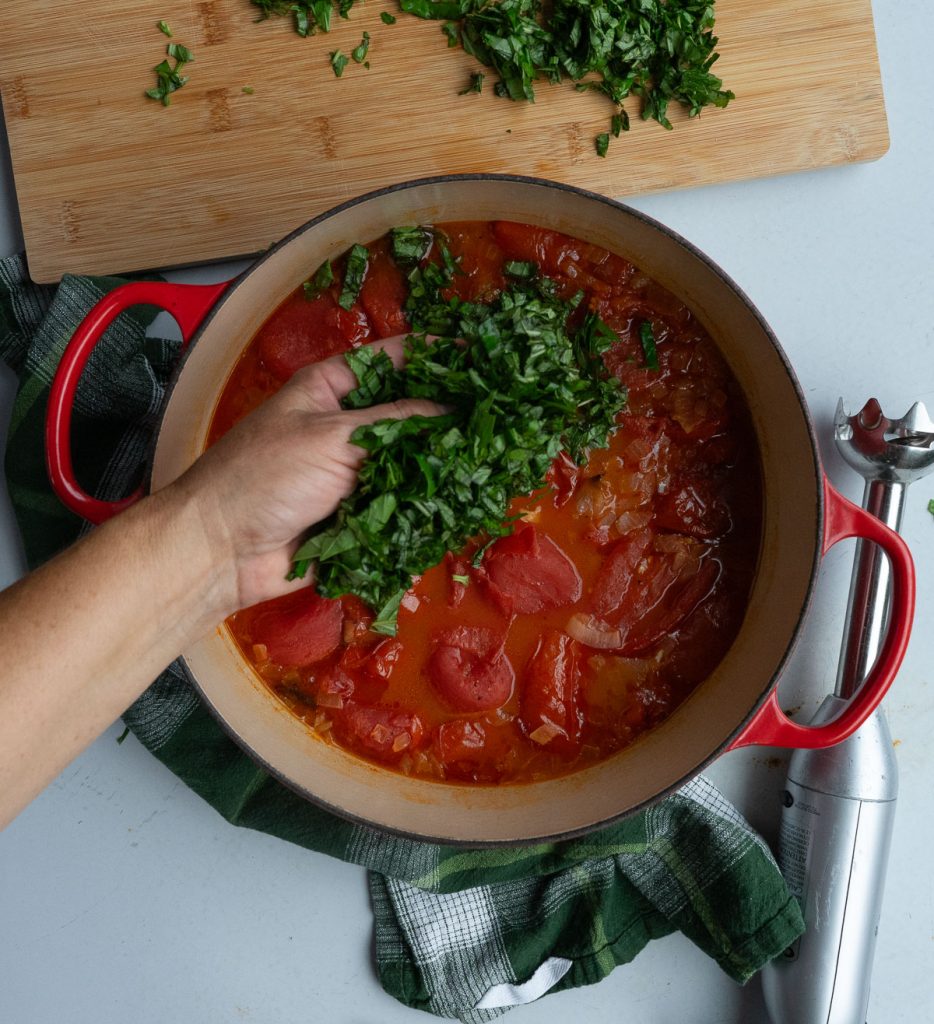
<point>662,528</point>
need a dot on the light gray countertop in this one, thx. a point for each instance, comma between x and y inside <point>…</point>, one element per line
<point>123,897</point>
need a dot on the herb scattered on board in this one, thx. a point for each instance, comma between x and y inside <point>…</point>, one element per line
<point>169,79</point>
<point>164,28</point>
<point>248,90</point>
<point>359,52</point>
<point>476,84</point>
<point>521,386</point>
<point>338,62</point>
<point>386,18</point>
<point>308,16</point>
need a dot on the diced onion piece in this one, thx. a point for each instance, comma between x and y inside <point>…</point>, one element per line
<point>402,741</point>
<point>593,632</point>
<point>637,449</point>
<point>379,733</point>
<point>322,722</point>
<point>633,520</point>
<point>348,631</point>
<point>687,410</point>
<point>410,601</point>
<point>546,732</point>
<point>260,652</point>
<point>330,700</point>
<point>585,503</point>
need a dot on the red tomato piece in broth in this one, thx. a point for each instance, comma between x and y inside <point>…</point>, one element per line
<point>380,732</point>
<point>693,507</point>
<point>470,670</point>
<point>617,576</point>
<point>300,628</point>
<point>480,263</point>
<point>384,293</point>
<point>550,706</point>
<point>477,751</point>
<point>548,249</point>
<point>304,331</point>
<point>675,603</point>
<point>532,570</point>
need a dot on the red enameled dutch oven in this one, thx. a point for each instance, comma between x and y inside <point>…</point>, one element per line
<point>803,517</point>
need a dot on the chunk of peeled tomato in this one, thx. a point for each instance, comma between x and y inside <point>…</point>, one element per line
<point>384,293</point>
<point>299,628</point>
<point>617,576</point>
<point>549,249</point>
<point>480,258</point>
<point>384,734</point>
<point>674,606</point>
<point>563,475</point>
<point>693,507</point>
<point>303,331</point>
<point>532,570</point>
<point>469,669</point>
<point>477,751</point>
<point>549,704</point>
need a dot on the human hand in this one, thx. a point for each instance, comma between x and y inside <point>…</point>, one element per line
<point>283,468</point>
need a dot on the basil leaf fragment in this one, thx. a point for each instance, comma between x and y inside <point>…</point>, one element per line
<point>359,52</point>
<point>476,83</point>
<point>410,245</point>
<point>386,18</point>
<point>164,29</point>
<point>169,79</point>
<point>647,337</point>
<point>320,280</point>
<point>338,62</point>
<point>357,262</point>
<point>308,16</point>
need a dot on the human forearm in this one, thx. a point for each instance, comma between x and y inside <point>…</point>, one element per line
<point>82,637</point>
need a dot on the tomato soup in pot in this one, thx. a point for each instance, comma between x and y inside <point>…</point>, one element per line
<point>625,578</point>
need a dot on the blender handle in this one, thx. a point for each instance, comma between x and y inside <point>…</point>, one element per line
<point>189,304</point>
<point>770,726</point>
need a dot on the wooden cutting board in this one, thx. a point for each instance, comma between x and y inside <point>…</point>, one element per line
<point>109,181</point>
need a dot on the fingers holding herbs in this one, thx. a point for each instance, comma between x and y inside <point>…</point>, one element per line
<point>284,468</point>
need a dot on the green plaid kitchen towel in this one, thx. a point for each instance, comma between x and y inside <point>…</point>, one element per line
<point>460,933</point>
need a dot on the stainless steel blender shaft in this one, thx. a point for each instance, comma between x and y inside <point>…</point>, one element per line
<point>839,803</point>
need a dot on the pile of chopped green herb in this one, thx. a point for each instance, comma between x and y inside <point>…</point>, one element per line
<point>661,51</point>
<point>520,384</point>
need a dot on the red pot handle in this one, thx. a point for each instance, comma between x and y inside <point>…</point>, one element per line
<point>187,303</point>
<point>770,725</point>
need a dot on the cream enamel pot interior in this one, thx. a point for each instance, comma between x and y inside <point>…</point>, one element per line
<point>736,706</point>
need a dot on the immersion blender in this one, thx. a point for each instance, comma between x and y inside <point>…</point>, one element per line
<point>839,802</point>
